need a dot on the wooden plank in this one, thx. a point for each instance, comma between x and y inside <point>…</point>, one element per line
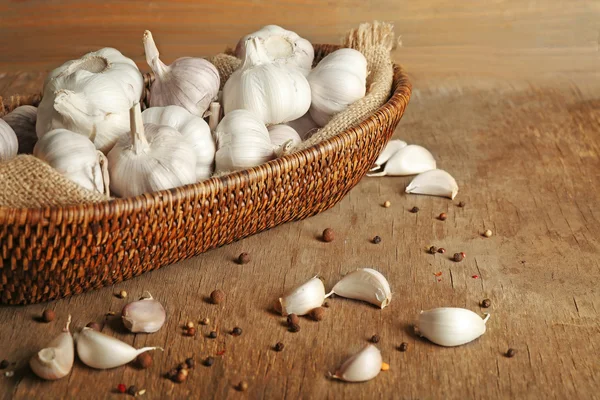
<point>526,158</point>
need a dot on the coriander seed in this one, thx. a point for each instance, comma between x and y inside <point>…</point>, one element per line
<point>244,258</point>
<point>458,257</point>
<point>48,315</point>
<point>328,235</point>
<point>123,294</point>
<point>242,386</point>
<point>387,204</point>
<point>144,360</point>
<point>442,217</point>
<point>487,233</point>
<point>189,325</point>
<point>294,328</point>
<point>317,314</point>
<point>205,321</point>
<point>293,319</point>
<point>217,296</point>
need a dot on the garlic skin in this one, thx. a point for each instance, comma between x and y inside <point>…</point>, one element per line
<point>337,81</point>
<point>146,315</point>
<point>92,97</point>
<point>282,134</point>
<point>100,351</point>
<point>362,366</point>
<point>9,145</point>
<point>448,326</point>
<point>436,182</point>
<point>281,46</point>
<point>75,157</point>
<point>409,160</point>
<point>193,128</point>
<point>242,142</point>
<point>55,361</point>
<point>304,126</point>
<point>150,158</point>
<point>364,284</point>
<point>191,83</point>
<point>273,92</point>
<point>388,151</point>
<point>304,298</point>
<point>22,120</point>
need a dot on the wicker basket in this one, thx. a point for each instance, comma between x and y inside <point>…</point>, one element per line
<point>60,251</point>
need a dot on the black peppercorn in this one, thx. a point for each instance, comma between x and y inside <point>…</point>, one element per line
<point>4,364</point>
<point>236,331</point>
<point>433,250</point>
<point>511,353</point>
<point>279,346</point>
<point>132,390</point>
<point>190,363</point>
<point>212,335</point>
<point>377,239</point>
<point>403,346</point>
<point>414,209</point>
<point>375,339</point>
<point>486,303</point>
<point>209,361</point>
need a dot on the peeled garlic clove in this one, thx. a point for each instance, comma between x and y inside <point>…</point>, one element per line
<point>449,326</point>
<point>436,182</point>
<point>304,298</point>
<point>388,151</point>
<point>100,351</point>
<point>22,120</point>
<point>146,315</point>
<point>363,366</point>
<point>365,284</point>
<point>56,360</point>
<point>409,160</point>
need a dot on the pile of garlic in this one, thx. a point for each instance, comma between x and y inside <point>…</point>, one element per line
<point>89,125</point>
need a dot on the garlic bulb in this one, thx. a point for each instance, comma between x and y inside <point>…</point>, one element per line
<point>75,157</point>
<point>191,83</point>
<point>282,46</point>
<point>365,284</point>
<point>388,151</point>
<point>448,326</point>
<point>146,315</point>
<point>55,361</point>
<point>336,82</point>
<point>304,298</point>
<point>273,92</point>
<point>9,144</point>
<point>408,160</point>
<point>304,126</point>
<point>242,141</point>
<point>436,182</point>
<point>22,120</point>
<point>100,351</point>
<point>91,96</point>
<point>282,134</point>
<point>151,158</point>
<point>193,128</point>
<point>362,366</point>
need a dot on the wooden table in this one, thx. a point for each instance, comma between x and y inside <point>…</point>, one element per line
<point>523,141</point>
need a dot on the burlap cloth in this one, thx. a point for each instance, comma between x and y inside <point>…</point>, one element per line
<point>27,182</point>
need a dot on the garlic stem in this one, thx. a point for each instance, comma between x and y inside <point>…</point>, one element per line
<point>138,137</point>
<point>158,67</point>
<point>103,162</point>
<point>255,53</point>
<point>215,115</point>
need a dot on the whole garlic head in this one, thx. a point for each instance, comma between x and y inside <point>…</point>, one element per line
<point>336,82</point>
<point>75,157</point>
<point>191,83</point>
<point>151,158</point>
<point>22,120</point>
<point>193,128</point>
<point>9,145</point>
<point>282,46</point>
<point>242,142</point>
<point>273,92</point>
<point>91,96</point>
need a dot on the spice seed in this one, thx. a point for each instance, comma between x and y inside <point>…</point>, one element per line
<point>377,239</point>
<point>294,328</point>
<point>121,388</point>
<point>217,296</point>
<point>387,204</point>
<point>190,363</point>
<point>122,294</point>
<point>205,321</point>
<point>279,346</point>
<point>242,386</point>
<point>511,353</point>
<point>181,376</point>
<point>433,250</point>
<point>317,314</point>
<point>4,364</point>
<point>326,304</point>
<point>293,319</point>
<point>441,250</point>
<point>190,332</point>
<point>375,339</point>
<point>8,374</point>
<point>189,325</point>
<point>487,233</point>
<point>141,392</point>
<point>209,361</point>
<point>237,331</point>
<point>182,366</point>
<point>172,373</point>
<point>442,217</point>
<point>144,360</point>
<point>414,210</point>
<point>462,204</point>
<point>48,315</point>
<point>132,390</point>
<point>458,257</point>
<point>328,235</point>
<point>244,258</point>
<point>463,254</point>
<point>385,366</point>
<point>486,303</point>
<point>212,335</point>
<point>403,346</point>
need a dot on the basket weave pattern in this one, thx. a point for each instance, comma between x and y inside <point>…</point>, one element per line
<point>55,252</point>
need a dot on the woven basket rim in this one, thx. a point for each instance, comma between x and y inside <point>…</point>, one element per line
<point>401,89</point>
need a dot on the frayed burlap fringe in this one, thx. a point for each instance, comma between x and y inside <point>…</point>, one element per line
<point>28,182</point>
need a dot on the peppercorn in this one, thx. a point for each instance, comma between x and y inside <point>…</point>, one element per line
<point>442,217</point>
<point>279,346</point>
<point>293,319</point>
<point>487,233</point>
<point>144,360</point>
<point>217,296</point>
<point>244,258</point>
<point>189,325</point>
<point>237,331</point>
<point>458,257</point>
<point>4,364</point>
<point>95,326</point>
<point>387,204</point>
<point>377,239</point>
<point>463,254</point>
<point>317,314</point>
<point>294,328</point>
<point>172,374</point>
<point>190,332</point>
<point>486,303</point>
<point>212,335</point>
<point>132,390</point>
<point>511,353</point>
<point>48,315</point>
<point>433,250</point>
<point>375,339</point>
<point>9,374</point>
<point>181,376</point>
<point>209,361</point>
<point>403,346</point>
<point>242,386</point>
<point>181,366</point>
<point>121,388</point>
<point>328,235</point>
<point>122,294</point>
<point>385,366</point>
<point>190,363</point>
<point>441,250</point>
<point>461,204</point>
<point>326,304</point>
<point>205,321</point>
<point>415,209</point>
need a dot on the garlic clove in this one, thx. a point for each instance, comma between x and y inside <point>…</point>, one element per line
<point>9,144</point>
<point>305,126</point>
<point>304,298</point>
<point>448,326</point>
<point>281,134</point>
<point>55,361</point>
<point>22,120</point>
<point>408,160</point>
<point>362,366</point>
<point>100,351</point>
<point>214,115</point>
<point>436,182</point>
<point>365,284</point>
<point>389,150</point>
<point>146,315</point>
